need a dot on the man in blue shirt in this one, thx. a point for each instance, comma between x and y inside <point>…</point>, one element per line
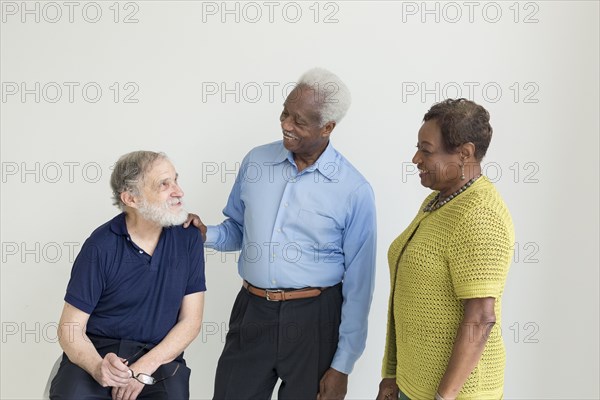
<point>304,220</point>
<point>136,294</point>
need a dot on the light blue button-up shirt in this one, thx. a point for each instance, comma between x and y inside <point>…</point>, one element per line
<point>313,228</point>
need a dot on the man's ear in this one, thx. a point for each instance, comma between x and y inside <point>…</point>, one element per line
<point>327,129</point>
<point>129,199</point>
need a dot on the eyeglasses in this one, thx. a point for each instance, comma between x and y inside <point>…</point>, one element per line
<point>145,378</point>
<point>137,353</point>
<point>149,379</point>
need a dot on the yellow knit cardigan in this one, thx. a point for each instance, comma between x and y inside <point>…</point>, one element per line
<point>462,250</point>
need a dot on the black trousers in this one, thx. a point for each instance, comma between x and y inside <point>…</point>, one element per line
<point>73,382</point>
<point>292,340</point>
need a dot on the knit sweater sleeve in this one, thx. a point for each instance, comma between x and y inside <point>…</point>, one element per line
<point>480,252</point>
<point>388,369</point>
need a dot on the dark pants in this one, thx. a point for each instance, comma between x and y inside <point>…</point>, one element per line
<point>73,382</point>
<point>292,340</point>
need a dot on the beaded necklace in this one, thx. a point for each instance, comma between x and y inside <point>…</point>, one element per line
<point>434,204</point>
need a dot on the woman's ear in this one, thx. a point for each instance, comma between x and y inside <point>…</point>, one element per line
<point>467,151</point>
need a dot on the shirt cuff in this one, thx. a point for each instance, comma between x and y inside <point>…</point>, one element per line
<point>212,235</point>
<point>343,361</point>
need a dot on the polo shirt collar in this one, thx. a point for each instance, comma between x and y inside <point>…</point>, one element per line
<point>118,225</point>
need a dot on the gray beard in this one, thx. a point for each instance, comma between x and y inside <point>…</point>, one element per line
<point>161,214</point>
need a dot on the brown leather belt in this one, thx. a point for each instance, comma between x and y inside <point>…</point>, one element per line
<point>283,295</point>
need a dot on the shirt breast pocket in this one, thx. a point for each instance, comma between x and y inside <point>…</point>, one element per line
<point>318,231</point>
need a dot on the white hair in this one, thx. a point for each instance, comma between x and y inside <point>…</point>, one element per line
<point>331,92</point>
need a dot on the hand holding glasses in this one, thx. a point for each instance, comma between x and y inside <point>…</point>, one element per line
<point>149,379</point>
<point>143,378</point>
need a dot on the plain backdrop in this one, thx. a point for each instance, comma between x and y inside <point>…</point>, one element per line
<point>85,82</point>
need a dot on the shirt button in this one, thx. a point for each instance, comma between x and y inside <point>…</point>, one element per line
<point>141,252</point>
<point>285,204</point>
<point>278,229</point>
<point>273,281</point>
<point>274,255</point>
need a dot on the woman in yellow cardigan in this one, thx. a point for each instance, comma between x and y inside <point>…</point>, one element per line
<point>448,269</point>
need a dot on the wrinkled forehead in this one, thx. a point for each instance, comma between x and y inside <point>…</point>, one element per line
<point>160,169</point>
<point>303,101</point>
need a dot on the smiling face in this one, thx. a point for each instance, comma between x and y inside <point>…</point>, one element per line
<point>160,197</point>
<point>438,169</point>
<point>300,119</point>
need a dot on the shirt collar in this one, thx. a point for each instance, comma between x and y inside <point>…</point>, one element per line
<point>327,163</point>
<point>282,155</point>
<point>118,226</point>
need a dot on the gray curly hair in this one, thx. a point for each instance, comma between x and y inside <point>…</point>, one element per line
<point>129,172</point>
<point>333,95</point>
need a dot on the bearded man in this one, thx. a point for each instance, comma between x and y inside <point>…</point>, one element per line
<point>136,294</point>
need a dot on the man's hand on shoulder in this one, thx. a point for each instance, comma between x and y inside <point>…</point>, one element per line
<point>333,385</point>
<point>195,220</point>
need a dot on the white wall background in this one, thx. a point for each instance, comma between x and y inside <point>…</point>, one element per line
<point>534,65</point>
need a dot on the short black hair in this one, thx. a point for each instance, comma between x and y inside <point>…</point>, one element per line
<point>462,121</point>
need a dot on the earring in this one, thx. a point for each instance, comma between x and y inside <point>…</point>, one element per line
<point>462,170</point>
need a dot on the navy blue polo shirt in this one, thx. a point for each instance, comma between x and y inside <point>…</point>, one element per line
<point>128,293</point>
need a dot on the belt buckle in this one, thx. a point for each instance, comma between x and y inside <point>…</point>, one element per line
<point>270,291</point>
